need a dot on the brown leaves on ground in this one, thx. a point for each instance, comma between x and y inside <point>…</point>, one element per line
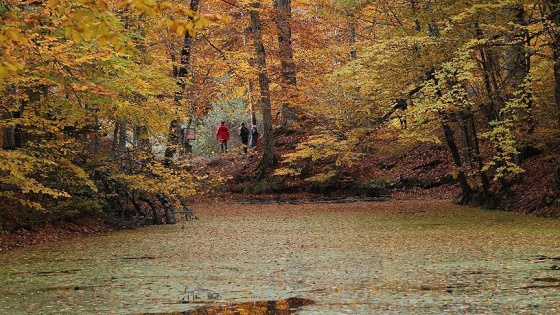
<point>50,232</point>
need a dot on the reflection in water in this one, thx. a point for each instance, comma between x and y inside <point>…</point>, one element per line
<point>280,307</point>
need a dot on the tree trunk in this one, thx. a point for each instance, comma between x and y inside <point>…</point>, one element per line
<point>252,105</point>
<point>466,190</point>
<point>268,155</point>
<point>7,113</point>
<point>555,34</point>
<point>157,219</point>
<point>13,136</point>
<point>352,37</point>
<point>167,208</point>
<point>489,109</point>
<point>123,124</point>
<point>8,133</point>
<point>479,160</point>
<point>131,196</point>
<point>517,69</point>
<point>282,20</point>
<point>173,138</point>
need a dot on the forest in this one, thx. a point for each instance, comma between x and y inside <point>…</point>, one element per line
<point>108,108</point>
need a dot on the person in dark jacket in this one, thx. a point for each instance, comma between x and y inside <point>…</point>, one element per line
<point>254,136</point>
<point>222,135</point>
<point>244,134</point>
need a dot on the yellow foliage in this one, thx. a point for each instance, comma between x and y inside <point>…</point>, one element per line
<point>321,177</point>
<point>324,147</point>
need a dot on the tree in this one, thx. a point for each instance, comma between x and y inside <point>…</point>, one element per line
<point>286,54</point>
<point>551,11</point>
<point>73,73</point>
<point>268,158</point>
<point>465,73</point>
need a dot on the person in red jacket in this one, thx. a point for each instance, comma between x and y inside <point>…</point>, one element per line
<point>222,134</point>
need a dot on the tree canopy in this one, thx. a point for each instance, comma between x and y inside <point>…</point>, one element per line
<point>97,95</point>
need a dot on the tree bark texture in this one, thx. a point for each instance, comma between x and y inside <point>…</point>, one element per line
<point>282,19</point>
<point>157,219</point>
<point>167,208</point>
<point>123,124</point>
<point>352,37</point>
<point>461,177</point>
<point>555,34</point>
<point>268,155</point>
<point>283,10</point>
<point>181,74</point>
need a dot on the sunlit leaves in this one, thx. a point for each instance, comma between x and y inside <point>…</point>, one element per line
<point>507,133</point>
<point>67,66</point>
<point>19,174</point>
<point>324,147</point>
<point>87,20</point>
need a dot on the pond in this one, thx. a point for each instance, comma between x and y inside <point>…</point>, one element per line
<point>423,257</point>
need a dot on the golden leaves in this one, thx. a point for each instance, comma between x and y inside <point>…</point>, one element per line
<point>14,34</point>
<point>10,38</point>
<point>193,22</point>
<point>9,66</point>
<point>16,172</point>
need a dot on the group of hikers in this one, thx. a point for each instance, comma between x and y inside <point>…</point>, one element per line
<point>222,135</point>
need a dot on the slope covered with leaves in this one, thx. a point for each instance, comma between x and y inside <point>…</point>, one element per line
<point>388,168</point>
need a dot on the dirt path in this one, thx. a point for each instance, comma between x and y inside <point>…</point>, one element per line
<point>349,258</point>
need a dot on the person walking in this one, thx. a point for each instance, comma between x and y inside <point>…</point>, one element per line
<point>244,134</point>
<point>254,136</point>
<point>222,135</point>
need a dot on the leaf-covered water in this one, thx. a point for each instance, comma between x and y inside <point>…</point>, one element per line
<point>349,258</point>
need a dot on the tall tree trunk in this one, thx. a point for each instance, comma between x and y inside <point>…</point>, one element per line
<point>479,160</point>
<point>466,190</point>
<point>8,133</point>
<point>489,109</point>
<point>119,138</point>
<point>173,138</point>
<point>471,149</point>
<point>252,104</point>
<point>555,34</point>
<point>8,112</point>
<point>123,124</point>
<point>268,155</point>
<point>414,7</point>
<point>517,68</point>
<point>352,36</point>
<point>282,19</point>
<point>13,136</point>
<point>516,59</point>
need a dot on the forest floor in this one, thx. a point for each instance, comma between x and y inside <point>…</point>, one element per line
<point>394,257</point>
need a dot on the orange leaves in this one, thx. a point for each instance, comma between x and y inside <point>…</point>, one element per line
<point>193,22</point>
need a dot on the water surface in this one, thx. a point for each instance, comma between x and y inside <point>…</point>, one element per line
<point>348,258</point>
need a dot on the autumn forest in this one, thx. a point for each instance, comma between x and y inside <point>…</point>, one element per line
<point>108,108</point>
